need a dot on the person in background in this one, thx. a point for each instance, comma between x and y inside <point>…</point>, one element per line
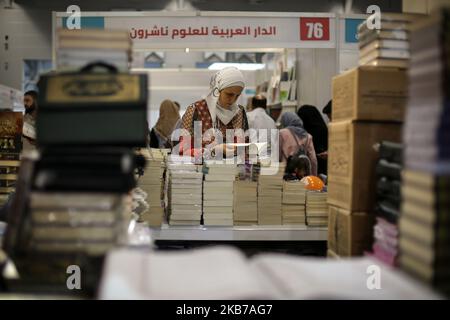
<point>260,121</point>
<point>258,117</point>
<point>177,105</point>
<point>160,135</point>
<point>217,113</point>
<point>249,107</point>
<point>293,138</point>
<point>29,120</point>
<point>316,126</point>
<point>327,109</point>
<point>297,167</point>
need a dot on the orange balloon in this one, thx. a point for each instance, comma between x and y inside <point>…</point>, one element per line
<point>313,183</point>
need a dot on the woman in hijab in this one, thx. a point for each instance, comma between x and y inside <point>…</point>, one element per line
<point>293,137</point>
<point>217,113</point>
<point>161,132</point>
<point>315,125</point>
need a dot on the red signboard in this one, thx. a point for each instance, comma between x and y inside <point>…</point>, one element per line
<point>314,29</point>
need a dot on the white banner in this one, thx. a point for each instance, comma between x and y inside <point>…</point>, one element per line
<point>209,32</point>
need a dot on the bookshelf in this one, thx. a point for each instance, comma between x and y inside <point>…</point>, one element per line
<point>279,83</point>
<point>240,233</point>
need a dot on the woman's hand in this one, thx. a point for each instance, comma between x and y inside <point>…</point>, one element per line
<point>323,155</point>
<point>225,150</point>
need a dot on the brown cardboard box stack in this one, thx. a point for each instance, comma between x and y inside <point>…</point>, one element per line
<point>368,107</point>
<point>349,233</point>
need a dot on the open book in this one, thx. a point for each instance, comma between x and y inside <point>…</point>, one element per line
<point>225,273</point>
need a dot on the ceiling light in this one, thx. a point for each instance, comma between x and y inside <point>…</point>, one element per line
<point>240,66</point>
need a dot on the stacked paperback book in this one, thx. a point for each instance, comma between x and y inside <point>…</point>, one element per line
<point>424,223</point>
<point>218,193</point>
<point>79,202</point>
<point>426,134</point>
<point>388,171</point>
<point>270,190</point>
<point>245,208</point>
<point>293,204</point>
<point>316,209</point>
<point>385,247</point>
<point>152,183</point>
<point>185,194</point>
<point>76,48</point>
<point>75,222</point>
<point>10,147</point>
<point>387,46</point>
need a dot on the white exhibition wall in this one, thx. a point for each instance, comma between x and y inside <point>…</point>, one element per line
<point>184,86</point>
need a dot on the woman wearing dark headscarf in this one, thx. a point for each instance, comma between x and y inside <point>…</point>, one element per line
<point>161,132</point>
<point>315,126</point>
<point>293,137</point>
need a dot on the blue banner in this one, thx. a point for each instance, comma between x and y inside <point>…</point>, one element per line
<point>88,22</point>
<point>351,30</point>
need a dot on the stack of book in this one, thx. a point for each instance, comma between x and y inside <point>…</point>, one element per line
<point>185,194</point>
<point>72,222</point>
<point>245,207</point>
<point>270,190</point>
<point>387,46</point>
<point>248,172</point>
<point>9,170</point>
<point>424,222</point>
<point>152,183</point>
<point>316,209</point>
<point>385,247</point>
<point>424,239</point>
<point>388,171</point>
<point>11,124</point>
<point>76,48</point>
<point>293,203</point>
<point>79,201</point>
<point>218,193</point>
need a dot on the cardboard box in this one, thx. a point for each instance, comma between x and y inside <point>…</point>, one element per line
<point>349,233</point>
<point>370,93</point>
<point>352,160</point>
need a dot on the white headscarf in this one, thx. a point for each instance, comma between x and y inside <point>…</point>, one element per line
<point>225,78</point>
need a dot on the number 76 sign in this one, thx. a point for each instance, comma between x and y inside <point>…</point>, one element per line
<point>314,29</point>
